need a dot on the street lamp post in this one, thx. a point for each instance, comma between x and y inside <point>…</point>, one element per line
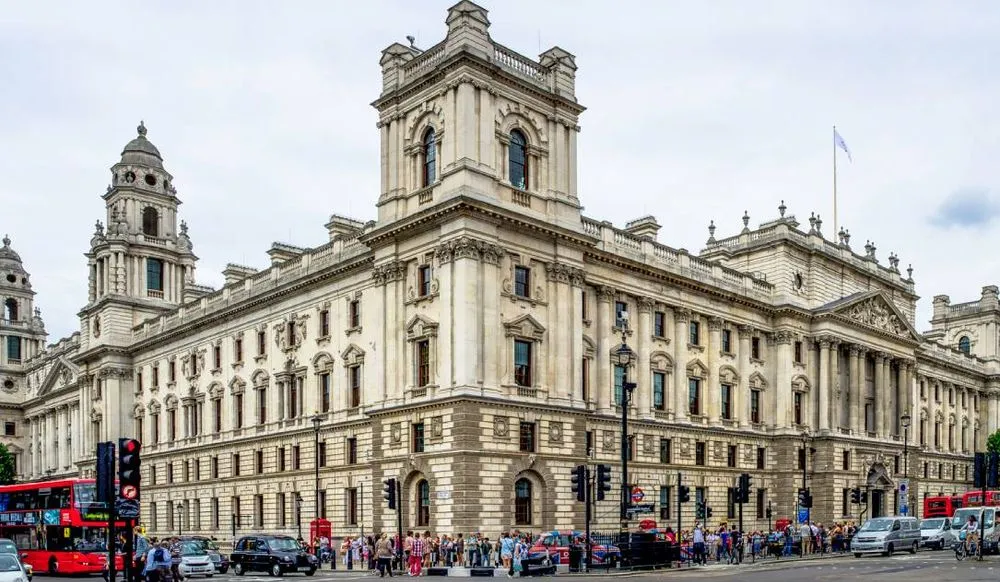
<point>180,519</point>
<point>904,421</point>
<point>625,357</point>
<point>298,512</point>
<point>316,420</point>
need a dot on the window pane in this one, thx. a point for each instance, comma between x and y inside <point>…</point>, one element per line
<point>518,161</point>
<point>154,275</point>
<point>522,363</point>
<point>430,156</point>
<point>619,381</point>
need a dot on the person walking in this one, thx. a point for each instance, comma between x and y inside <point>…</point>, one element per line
<point>417,555</point>
<point>384,553</point>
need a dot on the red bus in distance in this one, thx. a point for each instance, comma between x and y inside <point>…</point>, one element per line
<point>975,498</point>
<point>944,506</point>
<point>58,524</point>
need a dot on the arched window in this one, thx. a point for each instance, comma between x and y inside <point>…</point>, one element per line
<point>423,503</point>
<point>150,221</point>
<point>964,344</point>
<point>517,155</point>
<point>522,502</point>
<point>10,309</point>
<point>430,158</point>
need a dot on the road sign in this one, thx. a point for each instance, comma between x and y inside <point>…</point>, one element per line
<point>641,508</point>
<point>637,495</point>
<point>803,515</point>
<point>903,510</point>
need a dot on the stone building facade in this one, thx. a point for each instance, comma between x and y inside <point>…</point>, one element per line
<point>463,341</point>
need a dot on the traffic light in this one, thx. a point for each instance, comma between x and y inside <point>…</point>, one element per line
<point>768,514</point>
<point>579,480</point>
<point>802,496</point>
<point>979,471</point>
<point>743,491</point>
<point>708,512</point>
<point>684,493</point>
<point>603,481</point>
<point>856,496</point>
<point>699,510</point>
<point>389,492</point>
<point>129,477</point>
<point>807,502</point>
<point>992,470</point>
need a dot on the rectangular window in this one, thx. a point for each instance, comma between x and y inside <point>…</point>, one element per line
<point>727,401</point>
<point>755,417</point>
<point>238,410</point>
<point>170,472</point>
<point>761,458</point>
<point>215,513</point>
<point>324,392</point>
<point>584,309</point>
<point>424,280</point>
<point>731,502</point>
<point>352,506</point>
<point>761,503</point>
<point>156,428</point>
<point>802,459</point>
<point>797,407</point>
<point>423,358</point>
<point>217,357</point>
<point>659,391</point>
<point>660,324</point>
<point>869,417</point>
<point>352,451</point>
<point>526,438</point>
<point>731,455</point>
<point>699,453</point>
<point>238,349</point>
<point>156,376</point>
<point>281,460</point>
<point>665,498</point>
<point>621,314</point>
<point>727,341</point>
<point>846,461</point>
<point>418,437</point>
<point>217,416</point>
<point>845,501</point>
<point>296,458</point>
<point>588,443</point>
<point>694,396</point>
<point>172,371</point>
<point>258,462</point>
<point>354,373</point>
<point>261,343</point>
<point>262,406</point>
<point>354,312</point>
<point>585,378</point>
<point>522,363</point>
<point>321,454</point>
<point>522,281</point>
<point>290,333</point>
<point>154,275</point>
<point>258,511</point>
<point>282,509</point>
<point>700,494</point>
<point>798,353</point>
<point>138,379</point>
<point>694,333</point>
<point>665,451</point>
<point>236,465</point>
<point>13,349</point>
<point>619,383</point>
<point>324,323</point>
<point>755,348</point>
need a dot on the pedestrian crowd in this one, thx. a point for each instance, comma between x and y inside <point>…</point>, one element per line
<point>702,544</point>
<point>163,561</point>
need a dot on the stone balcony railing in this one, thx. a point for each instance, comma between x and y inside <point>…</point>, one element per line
<point>677,261</point>
<point>957,357</point>
<point>507,59</point>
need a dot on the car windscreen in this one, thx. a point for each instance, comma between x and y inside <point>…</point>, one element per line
<point>283,545</point>
<point>935,523</point>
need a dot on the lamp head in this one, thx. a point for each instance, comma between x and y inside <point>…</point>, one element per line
<point>905,420</point>
<point>624,355</point>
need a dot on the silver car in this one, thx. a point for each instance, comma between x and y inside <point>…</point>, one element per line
<point>936,532</point>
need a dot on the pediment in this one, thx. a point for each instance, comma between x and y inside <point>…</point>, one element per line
<point>873,310</point>
<point>525,326</point>
<point>61,374</point>
<point>353,355</point>
<point>420,326</point>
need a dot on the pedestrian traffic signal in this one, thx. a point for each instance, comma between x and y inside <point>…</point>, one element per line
<point>856,496</point>
<point>129,477</point>
<point>684,493</point>
<point>389,492</point>
<point>579,480</point>
<point>603,481</point>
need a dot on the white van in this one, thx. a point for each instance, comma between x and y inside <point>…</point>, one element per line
<point>987,516</point>
<point>885,535</point>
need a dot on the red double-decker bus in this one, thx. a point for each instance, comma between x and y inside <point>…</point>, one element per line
<point>944,506</point>
<point>975,498</point>
<point>58,524</point>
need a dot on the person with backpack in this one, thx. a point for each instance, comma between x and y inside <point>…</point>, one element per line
<point>157,563</point>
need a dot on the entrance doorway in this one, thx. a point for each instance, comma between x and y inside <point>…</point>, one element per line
<point>878,502</point>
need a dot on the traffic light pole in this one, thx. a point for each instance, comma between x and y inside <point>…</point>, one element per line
<point>399,524</point>
<point>587,516</point>
<point>680,505</point>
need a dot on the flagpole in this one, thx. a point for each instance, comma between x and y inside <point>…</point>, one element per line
<point>833,142</point>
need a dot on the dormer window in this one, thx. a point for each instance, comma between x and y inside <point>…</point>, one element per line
<point>517,155</point>
<point>430,158</point>
<point>150,222</point>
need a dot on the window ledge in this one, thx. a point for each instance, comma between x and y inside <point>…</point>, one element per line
<point>417,299</point>
<point>754,360</point>
<point>323,340</point>
<point>216,371</point>
<point>517,298</point>
<point>695,347</point>
<point>260,358</point>
<point>352,330</point>
<point>236,365</point>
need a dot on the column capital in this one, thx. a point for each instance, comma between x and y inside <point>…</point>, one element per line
<point>605,293</point>
<point>714,323</point>
<point>857,350</point>
<point>745,331</point>
<point>645,304</point>
<point>783,336</point>
<point>682,315</point>
<point>880,357</point>
<point>824,342</point>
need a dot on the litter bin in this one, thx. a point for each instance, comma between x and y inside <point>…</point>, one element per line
<point>576,558</point>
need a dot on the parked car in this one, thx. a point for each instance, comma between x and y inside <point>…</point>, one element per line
<point>11,568</point>
<point>935,532</point>
<point>273,554</point>
<point>219,560</point>
<point>9,547</point>
<point>195,560</point>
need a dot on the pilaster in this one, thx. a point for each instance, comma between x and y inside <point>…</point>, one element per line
<point>742,398</point>
<point>642,374</point>
<point>783,388</point>
<point>713,388</point>
<point>824,385</point>
<point>681,319</point>
<point>605,297</point>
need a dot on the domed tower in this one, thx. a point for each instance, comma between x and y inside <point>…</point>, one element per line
<point>142,261</point>
<point>22,333</point>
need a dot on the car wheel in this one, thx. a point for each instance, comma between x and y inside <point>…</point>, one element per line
<point>223,569</point>
<point>53,566</point>
<point>889,550</point>
<point>275,569</point>
<point>857,554</point>
<point>913,550</point>
<point>310,571</point>
<point>209,575</point>
<point>238,569</point>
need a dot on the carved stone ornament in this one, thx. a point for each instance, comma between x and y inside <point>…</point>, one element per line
<point>555,432</point>
<point>437,427</point>
<point>8,385</point>
<point>500,428</point>
<point>396,433</point>
<point>875,313</point>
<point>564,273</point>
<point>388,272</point>
<point>647,444</point>
<point>645,304</point>
<point>609,440</point>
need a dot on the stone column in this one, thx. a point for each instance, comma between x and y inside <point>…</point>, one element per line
<point>681,319</point>
<point>468,317</point>
<point>856,389</point>
<point>575,334</point>
<point>713,387</point>
<point>824,385</point>
<point>881,400</point>
<point>891,413</point>
<point>64,452</point>
<point>641,373</point>
<point>906,397</point>
<point>783,387</point>
<point>742,397</point>
<point>490,300</point>
<point>604,318</point>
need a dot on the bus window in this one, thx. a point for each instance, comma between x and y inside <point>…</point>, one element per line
<point>84,493</point>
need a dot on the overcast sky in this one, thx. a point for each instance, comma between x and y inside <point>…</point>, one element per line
<point>696,111</point>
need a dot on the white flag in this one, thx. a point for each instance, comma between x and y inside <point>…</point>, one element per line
<point>840,143</point>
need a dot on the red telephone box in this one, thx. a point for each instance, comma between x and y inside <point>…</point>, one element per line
<point>319,528</point>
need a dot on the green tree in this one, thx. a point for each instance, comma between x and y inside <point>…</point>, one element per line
<point>993,442</point>
<point>7,470</point>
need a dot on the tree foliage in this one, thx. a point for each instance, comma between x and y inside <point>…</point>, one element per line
<point>7,469</point>
<point>993,442</point>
